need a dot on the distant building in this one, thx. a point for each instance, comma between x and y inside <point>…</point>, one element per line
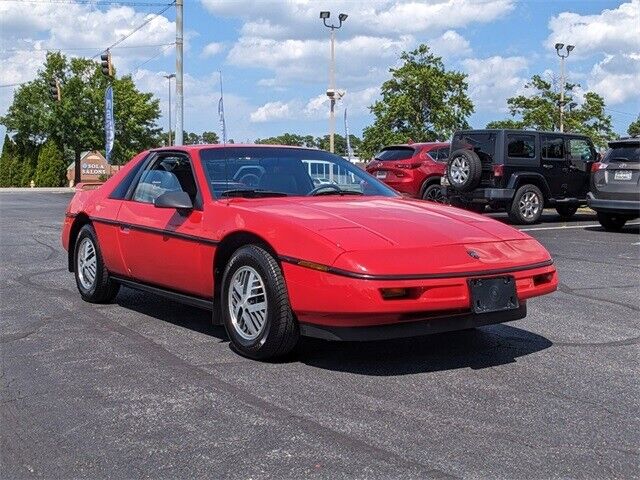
<point>93,168</point>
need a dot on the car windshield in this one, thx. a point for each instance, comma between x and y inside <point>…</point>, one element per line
<point>623,153</point>
<point>395,153</point>
<point>271,171</point>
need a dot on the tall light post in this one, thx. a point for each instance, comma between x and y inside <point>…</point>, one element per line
<point>331,92</point>
<point>559,47</point>
<point>169,77</point>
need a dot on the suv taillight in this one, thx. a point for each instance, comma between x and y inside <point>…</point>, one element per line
<point>597,166</point>
<point>498,170</point>
<point>409,165</point>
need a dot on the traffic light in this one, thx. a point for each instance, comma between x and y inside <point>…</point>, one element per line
<point>105,63</point>
<point>54,89</point>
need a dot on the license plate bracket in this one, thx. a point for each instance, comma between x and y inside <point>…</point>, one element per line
<point>493,294</point>
<point>624,175</point>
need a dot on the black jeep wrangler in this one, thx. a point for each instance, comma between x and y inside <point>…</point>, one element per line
<point>519,170</point>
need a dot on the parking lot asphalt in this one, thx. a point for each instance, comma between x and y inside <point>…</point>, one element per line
<point>147,388</point>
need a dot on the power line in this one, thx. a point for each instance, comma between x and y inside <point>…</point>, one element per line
<point>71,49</point>
<point>91,2</point>
<point>138,67</point>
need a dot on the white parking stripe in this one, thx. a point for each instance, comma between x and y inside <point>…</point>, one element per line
<point>566,227</point>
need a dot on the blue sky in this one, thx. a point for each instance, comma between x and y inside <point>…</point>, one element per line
<point>274,54</point>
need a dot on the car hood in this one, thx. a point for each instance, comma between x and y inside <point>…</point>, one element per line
<point>378,222</point>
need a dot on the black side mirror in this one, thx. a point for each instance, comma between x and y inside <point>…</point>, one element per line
<point>179,200</point>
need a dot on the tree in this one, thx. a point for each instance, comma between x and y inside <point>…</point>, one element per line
<point>51,168</point>
<point>77,122</point>
<point>634,128</point>
<point>210,137</point>
<point>288,139</point>
<point>421,102</point>
<point>538,109</point>
<point>7,159</point>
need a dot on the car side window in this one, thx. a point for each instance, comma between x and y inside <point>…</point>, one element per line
<point>167,174</point>
<point>521,146</point>
<point>443,154</point>
<point>553,147</point>
<point>580,150</point>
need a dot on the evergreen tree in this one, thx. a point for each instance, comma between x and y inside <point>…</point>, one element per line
<point>6,162</point>
<point>51,168</point>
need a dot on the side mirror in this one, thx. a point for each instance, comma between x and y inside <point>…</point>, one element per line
<point>179,200</point>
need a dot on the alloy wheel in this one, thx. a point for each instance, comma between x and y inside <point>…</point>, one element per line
<point>87,263</point>
<point>459,170</point>
<point>247,303</point>
<point>435,195</point>
<point>529,205</point>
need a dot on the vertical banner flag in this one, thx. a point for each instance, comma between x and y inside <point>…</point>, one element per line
<point>346,134</point>
<point>223,127</point>
<point>109,122</point>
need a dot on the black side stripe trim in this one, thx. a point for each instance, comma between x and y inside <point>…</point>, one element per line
<point>192,300</point>
<point>157,231</point>
<point>417,276</point>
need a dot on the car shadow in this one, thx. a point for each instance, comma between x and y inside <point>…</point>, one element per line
<point>478,348</point>
<point>549,216</point>
<point>633,229</point>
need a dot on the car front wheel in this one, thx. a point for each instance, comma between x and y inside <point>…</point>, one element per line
<point>255,305</point>
<point>611,222</point>
<point>92,278</point>
<point>527,205</point>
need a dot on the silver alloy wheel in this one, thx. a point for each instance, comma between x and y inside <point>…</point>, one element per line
<point>529,205</point>
<point>87,263</point>
<point>247,303</point>
<point>459,170</point>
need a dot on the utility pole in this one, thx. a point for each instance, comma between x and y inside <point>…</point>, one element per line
<point>169,77</point>
<point>559,47</point>
<point>331,92</point>
<point>179,73</point>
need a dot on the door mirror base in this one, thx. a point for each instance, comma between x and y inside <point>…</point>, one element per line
<point>179,200</point>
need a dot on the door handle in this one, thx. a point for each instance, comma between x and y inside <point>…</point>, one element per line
<point>124,229</point>
<point>546,165</point>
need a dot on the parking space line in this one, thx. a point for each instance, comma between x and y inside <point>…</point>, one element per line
<point>566,227</point>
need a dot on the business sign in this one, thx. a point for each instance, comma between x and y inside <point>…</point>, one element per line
<point>109,122</point>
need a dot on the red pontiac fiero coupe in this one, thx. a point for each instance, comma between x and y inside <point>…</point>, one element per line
<point>280,242</point>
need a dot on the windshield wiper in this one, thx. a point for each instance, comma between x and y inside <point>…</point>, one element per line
<point>338,192</point>
<point>252,193</point>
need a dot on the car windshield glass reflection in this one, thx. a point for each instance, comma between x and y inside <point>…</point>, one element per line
<point>267,171</point>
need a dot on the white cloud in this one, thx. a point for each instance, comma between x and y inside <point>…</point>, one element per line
<point>492,80</point>
<point>450,44</point>
<point>615,31</point>
<point>271,111</point>
<point>613,36</point>
<point>212,49</point>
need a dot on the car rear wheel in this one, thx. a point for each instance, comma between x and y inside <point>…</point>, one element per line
<point>434,193</point>
<point>527,205</point>
<point>611,222</point>
<point>464,170</point>
<point>255,305</point>
<point>92,278</point>
<point>566,211</point>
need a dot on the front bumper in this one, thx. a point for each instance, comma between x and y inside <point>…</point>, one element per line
<point>631,207</point>
<point>326,299</point>
<point>428,326</point>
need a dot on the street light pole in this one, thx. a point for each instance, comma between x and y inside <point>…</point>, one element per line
<point>179,73</point>
<point>169,77</point>
<point>331,92</point>
<point>559,47</point>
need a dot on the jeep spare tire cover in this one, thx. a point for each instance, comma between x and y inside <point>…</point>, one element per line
<point>464,170</point>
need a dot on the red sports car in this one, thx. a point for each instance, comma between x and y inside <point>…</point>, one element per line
<point>280,242</point>
<point>413,169</point>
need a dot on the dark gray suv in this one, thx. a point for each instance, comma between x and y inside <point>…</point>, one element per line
<point>615,184</point>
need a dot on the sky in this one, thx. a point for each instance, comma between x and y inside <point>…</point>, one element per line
<point>274,55</point>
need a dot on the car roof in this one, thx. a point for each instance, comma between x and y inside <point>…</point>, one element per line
<point>190,148</point>
<point>516,130</point>
<point>625,141</point>
<point>417,144</point>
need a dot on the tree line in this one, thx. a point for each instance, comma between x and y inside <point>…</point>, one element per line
<point>422,101</point>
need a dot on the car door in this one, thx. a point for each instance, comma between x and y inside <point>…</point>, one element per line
<point>580,157</point>
<point>555,166</point>
<point>164,246</point>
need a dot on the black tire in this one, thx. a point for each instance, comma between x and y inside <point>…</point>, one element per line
<point>611,222</point>
<point>279,333</point>
<point>464,170</point>
<point>526,206</point>
<point>102,289</point>
<point>566,211</point>
<point>434,193</point>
